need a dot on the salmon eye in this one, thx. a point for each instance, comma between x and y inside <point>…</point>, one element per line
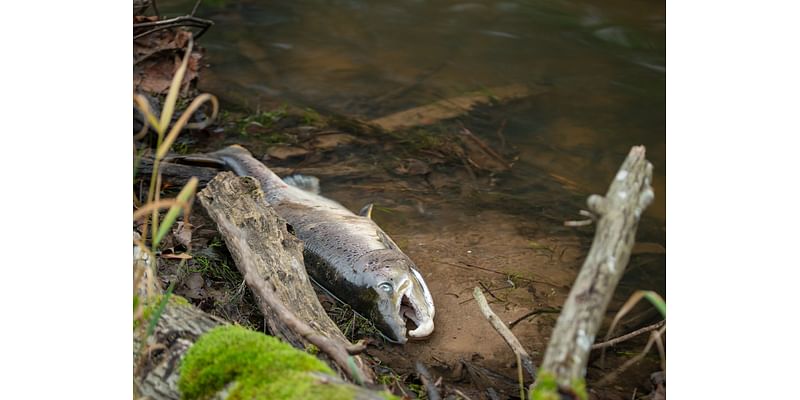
<point>386,287</point>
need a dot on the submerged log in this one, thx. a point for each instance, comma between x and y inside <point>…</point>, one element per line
<point>450,108</point>
<point>618,215</point>
<point>271,260</point>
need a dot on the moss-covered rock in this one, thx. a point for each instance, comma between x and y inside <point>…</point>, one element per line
<point>259,366</point>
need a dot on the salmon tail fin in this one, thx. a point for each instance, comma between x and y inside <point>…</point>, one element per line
<point>216,159</point>
<point>305,182</point>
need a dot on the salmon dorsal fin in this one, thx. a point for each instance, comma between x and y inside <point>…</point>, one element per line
<point>366,211</point>
<point>306,182</point>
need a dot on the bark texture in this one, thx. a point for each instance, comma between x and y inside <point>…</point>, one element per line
<point>264,251</point>
<point>158,370</point>
<point>618,218</point>
<point>177,330</point>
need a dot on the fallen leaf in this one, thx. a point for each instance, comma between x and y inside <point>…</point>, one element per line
<point>157,57</point>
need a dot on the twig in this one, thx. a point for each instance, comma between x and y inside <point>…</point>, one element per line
<point>513,323</point>
<point>460,393</point>
<point>591,218</point>
<point>194,9</point>
<point>184,20</point>
<point>425,377</point>
<point>504,332</point>
<point>267,294</point>
<point>501,136</point>
<point>470,266</point>
<point>573,224</point>
<point>485,147</point>
<point>654,337</point>
<point>633,334</point>
<point>520,377</point>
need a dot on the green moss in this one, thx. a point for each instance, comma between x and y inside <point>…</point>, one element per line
<point>262,367</point>
<point>216,269</point>
<point>311,349</point>
<point>262,119</point>
<point>546,388</point>
<point>579,386</point>
<point>312,117</point>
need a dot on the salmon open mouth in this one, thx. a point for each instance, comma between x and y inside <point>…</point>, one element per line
<point>408,313</point>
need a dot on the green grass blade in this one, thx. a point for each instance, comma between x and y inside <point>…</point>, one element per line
<point>151,327</point>
<point>183,200</point>
<point>175,88</point>
<point>658,302</point>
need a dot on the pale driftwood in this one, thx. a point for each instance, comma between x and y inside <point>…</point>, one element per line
<point>264,250</point>
<point>269,302</point>
<point>177,330</point>
<point>450,108</point>
<point>618,217</point>
<point>505,333</point>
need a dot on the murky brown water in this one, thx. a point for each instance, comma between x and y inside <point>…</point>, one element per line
<point>601,68</point>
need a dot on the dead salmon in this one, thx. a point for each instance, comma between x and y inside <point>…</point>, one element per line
<point>348,254</point>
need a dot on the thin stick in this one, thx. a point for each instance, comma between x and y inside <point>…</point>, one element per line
<point>633,334</point>
<point>534,312</point>
<point>471,266</point>
<point>185,20</point>
<point>504,332</point>
<point>654,336</point>
<point>460,393</point>
<point>520,377</point>
<point>425,377</point>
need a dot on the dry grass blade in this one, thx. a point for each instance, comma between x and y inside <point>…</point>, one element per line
<point>655,337</point>
<point>172,215</point>
<point>156,205</point>
<point>182,121</point>
<point>653,297</point>
<point>175,88</point>
<point>144,107</point>
<point>628,306</point>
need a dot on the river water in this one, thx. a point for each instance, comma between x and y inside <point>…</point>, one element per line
<point>600,65</point>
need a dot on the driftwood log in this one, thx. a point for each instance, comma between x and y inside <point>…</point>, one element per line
<point>618,215</point>
<point>264,251</point>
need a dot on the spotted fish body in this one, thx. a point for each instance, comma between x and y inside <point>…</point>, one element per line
<point>348,254</point>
